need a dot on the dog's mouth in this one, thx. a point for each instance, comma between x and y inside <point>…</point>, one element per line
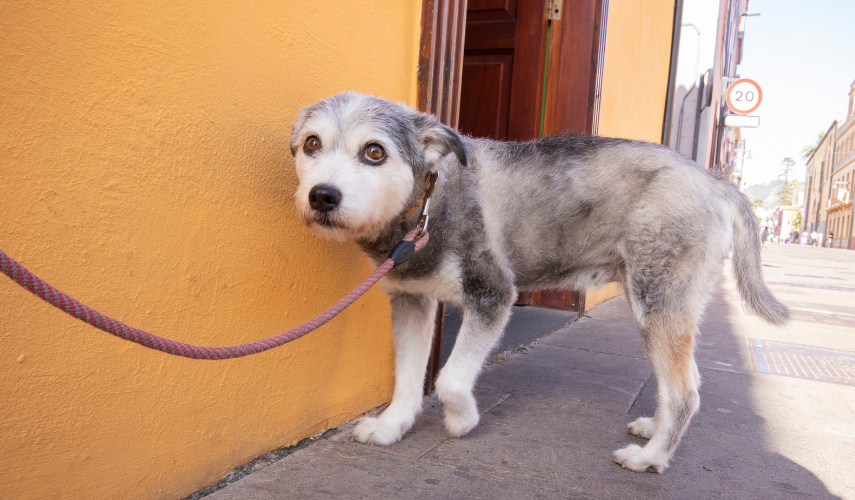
<point>325,220</point>
<point>330,223</point>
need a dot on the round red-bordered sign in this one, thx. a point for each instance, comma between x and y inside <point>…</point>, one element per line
<point>743,96</point>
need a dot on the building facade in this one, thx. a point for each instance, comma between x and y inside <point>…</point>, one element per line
<point>829,182</point>
<point>816,182</point>
<point>840,207</point>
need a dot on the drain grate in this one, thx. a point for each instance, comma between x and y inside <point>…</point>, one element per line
<point>803,361</point>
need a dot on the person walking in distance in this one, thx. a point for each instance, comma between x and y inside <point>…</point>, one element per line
<point>765,231</point>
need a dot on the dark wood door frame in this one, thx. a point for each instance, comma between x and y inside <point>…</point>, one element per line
<point>443,27</point>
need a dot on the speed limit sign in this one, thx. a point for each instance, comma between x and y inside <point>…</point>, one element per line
<point>743,96</point>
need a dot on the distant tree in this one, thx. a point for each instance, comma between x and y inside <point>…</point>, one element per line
<point>810,149</point>
<point>757,202</point>
<point>785,195</point>
<point>797,222</point>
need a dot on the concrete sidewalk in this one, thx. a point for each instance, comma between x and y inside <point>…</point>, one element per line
<point>553,415</point>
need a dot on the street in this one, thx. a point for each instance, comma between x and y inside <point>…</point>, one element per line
<point>554,411</point>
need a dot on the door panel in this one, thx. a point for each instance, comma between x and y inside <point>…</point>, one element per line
<point>503,58</point>
<point>493,35</point>
<point>490,10</point>
<point>487,95</point>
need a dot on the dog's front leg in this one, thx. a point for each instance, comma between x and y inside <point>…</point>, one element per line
<point>412,326</point>
<point>484,321</point>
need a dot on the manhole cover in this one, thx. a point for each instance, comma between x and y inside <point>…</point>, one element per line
<point>803,361</point>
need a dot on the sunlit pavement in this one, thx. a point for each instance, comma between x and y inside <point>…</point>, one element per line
<point>553,414</point>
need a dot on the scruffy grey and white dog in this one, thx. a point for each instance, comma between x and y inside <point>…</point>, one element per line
<point>569,211</point>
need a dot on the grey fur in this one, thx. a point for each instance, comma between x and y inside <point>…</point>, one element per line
<point>568,211</point>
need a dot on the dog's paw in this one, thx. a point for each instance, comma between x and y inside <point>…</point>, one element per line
<point>372,430</point>
<point>637,459</point>
<point>643,427</point>
<point>461,410</point>
<point>460,423</point>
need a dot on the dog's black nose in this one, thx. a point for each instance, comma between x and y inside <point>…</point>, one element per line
<point>324,198</point>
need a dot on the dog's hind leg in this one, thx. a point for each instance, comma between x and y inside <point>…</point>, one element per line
<point>668,326</point>
<point>484,320</point>
<point>412,325</point>
<point>671,354</point>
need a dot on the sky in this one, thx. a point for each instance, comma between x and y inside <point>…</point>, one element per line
<point>802,54</point>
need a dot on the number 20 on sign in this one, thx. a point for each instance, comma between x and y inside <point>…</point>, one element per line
<point>744,96</point>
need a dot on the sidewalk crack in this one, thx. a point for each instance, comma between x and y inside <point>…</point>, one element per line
<point>638,393</point>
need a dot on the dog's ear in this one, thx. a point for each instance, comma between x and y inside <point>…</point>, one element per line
<point>298,126</point>
<point>438,140</point>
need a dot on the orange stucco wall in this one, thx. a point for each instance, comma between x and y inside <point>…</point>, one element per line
<point>635,71</point>
<point>145,171</point>
<point>635,81</point>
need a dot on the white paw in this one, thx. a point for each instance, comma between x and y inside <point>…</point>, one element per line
<point>460,423</point>
<point>372,430</point>
<point>461,409</point>
<point>643,427</point>
<point>638,459</point>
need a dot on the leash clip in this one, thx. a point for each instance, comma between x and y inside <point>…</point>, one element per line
<point>406,249</point>
<point>424,217</point>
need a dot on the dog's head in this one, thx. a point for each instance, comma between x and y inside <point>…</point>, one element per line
<point>362,162</point>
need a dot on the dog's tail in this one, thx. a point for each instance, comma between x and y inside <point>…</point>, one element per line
<point>747,265</point>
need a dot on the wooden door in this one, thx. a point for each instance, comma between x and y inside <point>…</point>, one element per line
<point>526,76</point>
<point>501,92</point>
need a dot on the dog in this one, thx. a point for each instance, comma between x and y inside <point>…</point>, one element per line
<point>568,211</point>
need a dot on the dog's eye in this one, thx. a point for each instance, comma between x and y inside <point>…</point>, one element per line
<point>312,144</point>
<point>374,152</point>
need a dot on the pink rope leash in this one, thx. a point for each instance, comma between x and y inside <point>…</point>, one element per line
<point>54,297</point>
